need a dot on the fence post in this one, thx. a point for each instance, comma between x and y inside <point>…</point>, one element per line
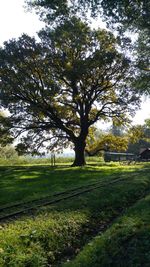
<point>53,159</point>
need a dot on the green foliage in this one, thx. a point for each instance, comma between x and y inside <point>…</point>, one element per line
<point>147,123</point>
<point>39,242</point>
<point>125,243</point>
<point>132,140</point>
<point>55,234</point>
<point>5,125</point>
<point>135,133</point>
<point>142,81</point>
<point>50,10</point>
<point>133,14</point>
<point>108,142</point>
<point>139,137</point>
<point>8,153</point>
<point>121,15</point>
<point>99,141</point>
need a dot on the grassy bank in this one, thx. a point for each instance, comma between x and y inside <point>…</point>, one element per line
<point>126,243</point>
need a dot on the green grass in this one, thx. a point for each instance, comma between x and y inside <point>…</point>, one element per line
<point>53,235</point>
<point>24,183</point>
<point>125,243</point>
<point>21,160</point>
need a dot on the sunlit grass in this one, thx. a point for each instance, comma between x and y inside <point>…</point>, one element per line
<point>23,183</point>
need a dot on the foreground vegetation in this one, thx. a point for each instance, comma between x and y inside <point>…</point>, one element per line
<point>126,243</point>
<point>54,235</point>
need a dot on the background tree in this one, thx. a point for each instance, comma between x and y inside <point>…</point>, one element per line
<point>8,153</point>
<point>56,89</point>
<point>107,142</point>
<point>5,136</point>
<point>6,150</point>
<point>113,139</point>
<point>117,129</point>
<point>130,139</point>
<point>139,137</point>
<point>147,123</point>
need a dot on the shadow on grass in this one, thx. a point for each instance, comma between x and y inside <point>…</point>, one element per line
<point>23,183</point>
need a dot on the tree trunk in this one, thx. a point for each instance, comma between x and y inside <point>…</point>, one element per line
<point>79,153</point>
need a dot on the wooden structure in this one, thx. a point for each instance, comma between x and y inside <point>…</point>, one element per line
<point>118,156</point>
<point>145,155</point>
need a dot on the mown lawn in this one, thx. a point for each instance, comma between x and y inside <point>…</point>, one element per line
<point>24,183</point>
<point>106,227</point>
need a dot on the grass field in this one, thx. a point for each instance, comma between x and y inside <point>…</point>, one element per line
<point>23,183</point>
<point>105,227</point>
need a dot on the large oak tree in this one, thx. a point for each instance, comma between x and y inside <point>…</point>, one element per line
<point>58,87</point>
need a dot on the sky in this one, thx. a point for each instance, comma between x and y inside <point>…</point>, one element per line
<point>14,21</point>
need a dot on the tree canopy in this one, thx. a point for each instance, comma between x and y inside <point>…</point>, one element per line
<point>8,153</point>
<point>131,14</point>
<point>133,139</point>
<point>123,15</point>
<point>107,142</point>
<point>58,87</point>
<point>139,137</point>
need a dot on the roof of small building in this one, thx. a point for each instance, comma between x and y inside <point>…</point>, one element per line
<point>145,150</point>
<point>119,153</point>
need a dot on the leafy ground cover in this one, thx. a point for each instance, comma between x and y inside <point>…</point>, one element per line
<point>126,243</point>
<point>54,235</point>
